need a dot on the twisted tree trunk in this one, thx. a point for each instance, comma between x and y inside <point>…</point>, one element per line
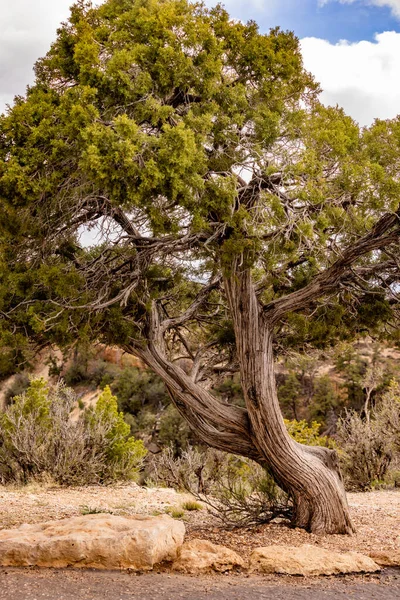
<point>310,475</point>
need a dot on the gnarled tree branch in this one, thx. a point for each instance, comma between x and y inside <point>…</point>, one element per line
<point>328,280</point>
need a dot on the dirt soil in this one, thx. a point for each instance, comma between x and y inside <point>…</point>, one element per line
<point>376,516</point>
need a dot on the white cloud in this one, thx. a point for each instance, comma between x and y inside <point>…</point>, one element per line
<point>363,77</point>
<point>27,29</point>
<point>259,7</point>
<point>394,5</point>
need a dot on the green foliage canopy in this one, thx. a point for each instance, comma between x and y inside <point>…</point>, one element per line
<point>183,139</point>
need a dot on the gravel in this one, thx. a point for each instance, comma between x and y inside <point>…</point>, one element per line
<point>376,515</point>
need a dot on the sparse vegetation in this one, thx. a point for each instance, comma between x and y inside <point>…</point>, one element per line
<point>235,490</point>
<point>191,505</point>
<point>39,440</point>
<point>175,512</point>
<point>370,446</point>
<point>92,510</point>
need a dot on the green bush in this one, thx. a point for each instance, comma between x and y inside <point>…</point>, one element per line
<point>325,399</point>
<point>38,439</point>
<point>138,388</point>
<point>175,512</point>
<point>123,453</point>
<point>174,430</point>
<point>92,372</point>
<point>192,505</point>
<point>289,393</point>
<point>307,434</point>
<point>148,409</point>
<point>93,510</point>
<point>76,374</point>
<point>102,373</point>
<point>142,424</point>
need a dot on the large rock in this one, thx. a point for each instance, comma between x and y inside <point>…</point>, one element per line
<point>386,558</point>
<point>201,556</point>
<point>309,560</point>
<point>97,541</point>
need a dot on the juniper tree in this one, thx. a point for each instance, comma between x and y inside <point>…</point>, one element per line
<point>230,214</point>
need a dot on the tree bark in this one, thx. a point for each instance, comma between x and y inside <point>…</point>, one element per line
<point>310,475</point>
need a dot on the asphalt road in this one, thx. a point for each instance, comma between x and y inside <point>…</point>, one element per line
<point>41,584</point>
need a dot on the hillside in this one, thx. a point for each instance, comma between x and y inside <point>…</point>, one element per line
<point>318,386</point>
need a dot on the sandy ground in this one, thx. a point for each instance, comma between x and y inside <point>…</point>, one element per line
<point>376,515</point>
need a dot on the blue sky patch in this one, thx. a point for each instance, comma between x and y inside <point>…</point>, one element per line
<point>333,21</point>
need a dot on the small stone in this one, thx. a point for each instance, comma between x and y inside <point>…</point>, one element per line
<point>201,556</point>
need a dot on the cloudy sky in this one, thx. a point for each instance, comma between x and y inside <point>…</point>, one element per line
<point>351,46</point>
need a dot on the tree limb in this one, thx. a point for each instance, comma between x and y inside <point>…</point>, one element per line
<point>191,311</point>
<point>328,280</point>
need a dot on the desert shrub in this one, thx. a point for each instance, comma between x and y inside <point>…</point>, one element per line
<point>173,430</point>
<point>94,373</point>
<point>370,446</point>
<point>102,373</point>
<point>38,439</point>
<point>76,374</point>
<point>139,388</point>
<point>387,416</point>
<point>352,368</point>
<point>142,424</point>
<point>18,386</point>
<point>307,434</point>
<point>148,409</point>
<point>366,453</point>
<point>236,490</point>
<point>289,393</point>
<point>326,398</point>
